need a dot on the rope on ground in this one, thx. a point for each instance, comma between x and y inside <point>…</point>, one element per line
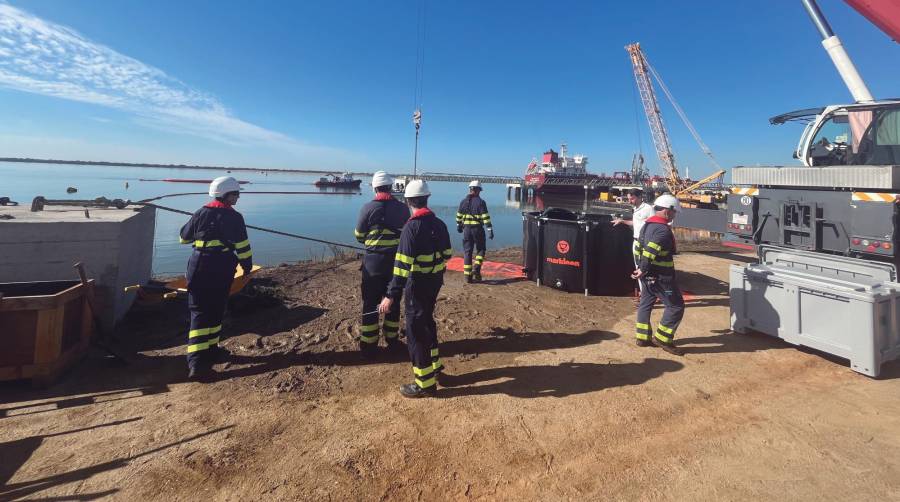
<point>261,229</point>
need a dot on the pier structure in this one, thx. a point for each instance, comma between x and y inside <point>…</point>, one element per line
<point>465,178</point>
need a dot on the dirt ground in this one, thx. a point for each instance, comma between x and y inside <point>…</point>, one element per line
<point>550,400</point>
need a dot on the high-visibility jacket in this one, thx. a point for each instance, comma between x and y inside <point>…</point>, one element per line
<point>379,224</point>
<point>657,248</point>
<point>422,254</point>
<point>218,228</point>
<point>473,211</point>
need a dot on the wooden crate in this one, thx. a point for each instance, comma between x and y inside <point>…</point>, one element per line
<point>45,327</point>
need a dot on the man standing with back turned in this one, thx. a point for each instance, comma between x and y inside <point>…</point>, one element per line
<point>378,227</point>
<point>641,212</point>
<point>471,220</point>
<point>656,271</point>
<point>219,237</point>
<point>418,276</point>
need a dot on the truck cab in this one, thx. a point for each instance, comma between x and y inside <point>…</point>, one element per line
<point>842,135</point>
<point>843,199</point>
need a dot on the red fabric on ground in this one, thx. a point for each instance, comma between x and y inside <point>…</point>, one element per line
<point>490,268</point>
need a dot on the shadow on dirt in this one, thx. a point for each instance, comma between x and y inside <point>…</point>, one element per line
<point>33,408</point>
<point>259,308</point>
<point>499,341</point>
<point>728,341</point>
<point>275,320</point>
<point>501,282</point>
<point>507,340</point>
<point>704,302</point>
<point>561,380</point>
<point>702,284</point>
<point>16,453</point>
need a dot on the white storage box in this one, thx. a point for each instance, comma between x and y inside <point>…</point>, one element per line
<point>855,316</point>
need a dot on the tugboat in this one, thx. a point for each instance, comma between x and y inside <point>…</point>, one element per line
<point>399,186</point>
<point>344,181</point>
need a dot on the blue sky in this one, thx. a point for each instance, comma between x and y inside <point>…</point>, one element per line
<point>330,84</point>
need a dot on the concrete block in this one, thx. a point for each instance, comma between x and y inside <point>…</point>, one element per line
<point>115,245</point>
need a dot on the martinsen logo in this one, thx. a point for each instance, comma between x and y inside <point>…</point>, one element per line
<point>563,261</point>
<point>562,247</point>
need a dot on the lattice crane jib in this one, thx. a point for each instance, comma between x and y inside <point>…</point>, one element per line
<point>654,118</point>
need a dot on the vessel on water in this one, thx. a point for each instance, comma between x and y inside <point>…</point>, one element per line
<point>399,186</point>
<point>344,181</point>
<point>561,174</point>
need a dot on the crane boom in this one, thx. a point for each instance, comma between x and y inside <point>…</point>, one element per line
<point>718,175</point>
<point>654,117</point>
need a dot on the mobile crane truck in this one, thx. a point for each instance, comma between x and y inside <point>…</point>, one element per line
<point>827,231</point>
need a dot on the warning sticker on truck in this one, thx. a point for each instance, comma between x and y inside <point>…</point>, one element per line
<point>740,219</point>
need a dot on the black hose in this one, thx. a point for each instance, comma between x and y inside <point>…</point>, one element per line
<point>261,229</point>
<point>756,235</point>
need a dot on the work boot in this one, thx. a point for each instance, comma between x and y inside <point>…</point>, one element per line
<point>469,279</point>
<point>395,346</point>
<point>369,351</point>
<point>219,354</point>
<point>412,390</point>
<point>668,347</point>
<point>201,373</point>
<point>476,277</point>
<point>443,378</point>
<point>642,343</point>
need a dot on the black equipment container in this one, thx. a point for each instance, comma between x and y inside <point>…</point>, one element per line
<point>610,257</point>
<point>578,252</point>
<point>530,243</point>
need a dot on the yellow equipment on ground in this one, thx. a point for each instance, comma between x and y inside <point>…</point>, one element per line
<point>156,291</point>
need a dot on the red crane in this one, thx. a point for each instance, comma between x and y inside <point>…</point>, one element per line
<point>884,14</point>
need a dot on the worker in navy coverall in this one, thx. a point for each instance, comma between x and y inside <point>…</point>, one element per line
<point>219,238</point>
<point>419,266</point>
<point>656,271</point>
<point>378,228</point>
<point>472,220</point>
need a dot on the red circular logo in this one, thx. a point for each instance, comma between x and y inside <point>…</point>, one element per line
<point>562,247</point>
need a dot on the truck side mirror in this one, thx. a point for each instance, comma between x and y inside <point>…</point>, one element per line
<point>794,155</point>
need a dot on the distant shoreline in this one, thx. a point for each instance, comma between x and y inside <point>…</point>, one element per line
<point>169,166</point>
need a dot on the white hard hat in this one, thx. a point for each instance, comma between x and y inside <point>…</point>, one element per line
<point>416,188</point>
<point>222,185</point>
<point>381,179</point>
<point>474,184</point>
<point>667,201</point>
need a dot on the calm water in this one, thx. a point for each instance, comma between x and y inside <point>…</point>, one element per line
<point>329,217</point>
